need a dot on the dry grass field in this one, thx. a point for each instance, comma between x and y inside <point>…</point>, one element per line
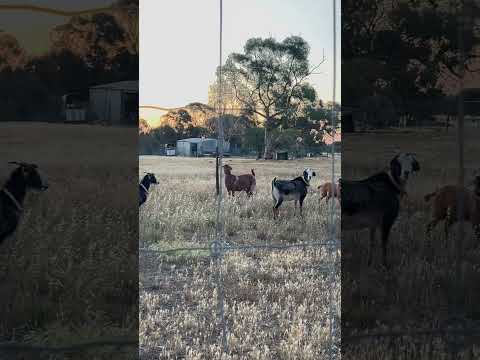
<point>276,302</point>
<point>422,282</point>
<point>69,273</point>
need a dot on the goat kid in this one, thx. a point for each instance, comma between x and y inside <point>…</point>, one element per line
<point>246,182</point>
<point>25,177</point>
<point>445,207</point>
<point>144,186</point>
<point>328,191</point>
<point>288,190</point>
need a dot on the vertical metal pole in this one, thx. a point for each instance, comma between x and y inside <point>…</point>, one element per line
<point>334,87</point>
<point>332,247</point>
<point>460,141</point>
<point>217,171</point>
<point>265,140</point>
<point>219,227</point>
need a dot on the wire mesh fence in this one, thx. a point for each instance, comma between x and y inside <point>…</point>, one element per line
<point>171,272</point>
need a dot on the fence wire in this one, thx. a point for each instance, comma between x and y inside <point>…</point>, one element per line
<point>218,248</point>
<point>161,280</point>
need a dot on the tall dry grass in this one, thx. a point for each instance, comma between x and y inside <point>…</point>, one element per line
<point>69,273</point>
<point>422,289</point>
<point>276,302</point>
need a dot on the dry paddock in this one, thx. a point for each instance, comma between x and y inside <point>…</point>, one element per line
<point>276,302</point>
<point>69,274</point>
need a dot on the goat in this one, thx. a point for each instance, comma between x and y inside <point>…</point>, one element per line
<point>328,191</point>
<point>144,186</point>
<point>246,182</point>
<point>288,190</point>
<point>374,202</point>
<point>12,195</point>
<point>445,207</point>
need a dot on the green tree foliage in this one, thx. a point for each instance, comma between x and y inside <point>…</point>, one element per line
<point>234,127</point>
<point>269,79</point>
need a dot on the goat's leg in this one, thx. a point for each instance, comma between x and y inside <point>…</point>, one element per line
<point>387,224</point>
<point>372,245</point>
<point>295,208</point>
<point>301,205</point>
<point>446,229</point>
<point>428,233</point>
<point>275,208</point>
<point>448,222</point>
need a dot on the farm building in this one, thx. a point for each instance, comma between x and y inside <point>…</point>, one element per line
<point>115,103</point>
<point>281,155</point>
<point>199,147</point>
<point>74,107</point>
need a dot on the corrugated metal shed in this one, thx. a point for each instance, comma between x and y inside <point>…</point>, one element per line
<point>115,103</point>
<point>199,146</point>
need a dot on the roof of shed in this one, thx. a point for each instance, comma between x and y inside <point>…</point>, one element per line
<point>196,140</point>
<point>131,85</point>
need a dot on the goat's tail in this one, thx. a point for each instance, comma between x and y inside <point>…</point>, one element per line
<point>429,196</point>
<point>253,172</point>
<point>273,182</point>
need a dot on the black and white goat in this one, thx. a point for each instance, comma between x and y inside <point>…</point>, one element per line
<point>288,190</point>
<point>144,186</point>
<point>374,202</point>
<point>25,177</point>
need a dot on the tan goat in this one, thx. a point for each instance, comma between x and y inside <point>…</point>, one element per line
<point>445,207</point>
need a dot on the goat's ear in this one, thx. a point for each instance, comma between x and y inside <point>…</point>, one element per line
<point>395,166</point>
<point>394,161</point>
<point>416,166</point>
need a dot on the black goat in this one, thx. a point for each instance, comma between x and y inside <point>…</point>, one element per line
<point>375,202</point>
<point>288,190</point>
<point>12,195</point>
<point>144,186</point>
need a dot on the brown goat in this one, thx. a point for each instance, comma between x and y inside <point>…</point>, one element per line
<point>445,207</point>
<point>234,183</point>
<point>328,191</point>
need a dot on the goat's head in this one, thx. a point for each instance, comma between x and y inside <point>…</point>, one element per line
<point>150,177</point>
<point>308,174</point>
<point>402,165</point>
<point>30,175</point>
<point>227,169</point>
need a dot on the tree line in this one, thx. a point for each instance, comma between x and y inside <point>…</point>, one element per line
<point>268,103</point>
<point>401,60</point>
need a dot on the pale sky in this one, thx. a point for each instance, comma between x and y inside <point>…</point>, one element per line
<point>32,29</point>
<point>179,43</point>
